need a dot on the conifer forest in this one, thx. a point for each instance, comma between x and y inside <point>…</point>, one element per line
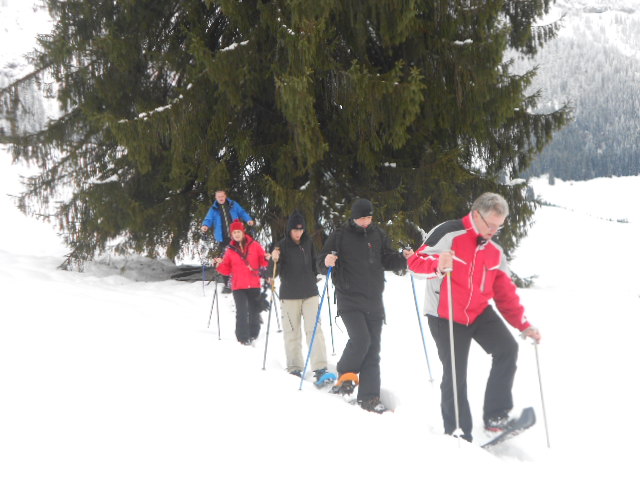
<point>286,104</point>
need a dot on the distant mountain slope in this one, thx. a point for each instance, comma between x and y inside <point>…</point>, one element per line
<point>595,64</point>
<point>27,109</point>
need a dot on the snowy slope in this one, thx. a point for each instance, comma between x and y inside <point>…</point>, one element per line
<point>105,377</point>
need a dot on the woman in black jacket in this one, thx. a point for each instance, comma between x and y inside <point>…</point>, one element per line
<point>296,266</point>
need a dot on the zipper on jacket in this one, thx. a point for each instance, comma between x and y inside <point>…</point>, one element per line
<point>484,279</point>
<point>471,272</point>
<point>369,246</point>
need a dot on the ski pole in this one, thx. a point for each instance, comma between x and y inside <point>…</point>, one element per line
<point>266,342</point>
<point>273,293</point>
<point>218,310</point>
<point>544,410</point>
<point>215,298</point>
<point>277,314</point>
<point>203,262</point>
<point>454,380</point>
<point>337,313</point>
<point>271,306</point>
<point>333,347</point>
<point>315,327</point>
<point>275,307</point>
<point>212,302</point>
<point>424,344</point>
<point>204,278</point>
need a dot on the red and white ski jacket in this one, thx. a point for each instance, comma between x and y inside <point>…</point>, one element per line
<point>480,273</point>
<point>243,264</point>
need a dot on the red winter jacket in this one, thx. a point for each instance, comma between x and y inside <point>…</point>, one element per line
<point>480,273</point>
<point>243,264</point>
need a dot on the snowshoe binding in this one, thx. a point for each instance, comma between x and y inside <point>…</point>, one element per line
<point>346,384</point>
<point>496,424</point>
<point>513,427</point>
<point>323,377</point>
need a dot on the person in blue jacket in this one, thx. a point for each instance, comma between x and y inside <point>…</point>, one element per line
<point>221,215</point>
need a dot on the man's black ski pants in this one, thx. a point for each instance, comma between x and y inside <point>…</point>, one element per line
<point>491,333</point>
<point>362,353</point>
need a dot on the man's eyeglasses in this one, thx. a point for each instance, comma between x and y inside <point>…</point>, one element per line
<point>497,228</point>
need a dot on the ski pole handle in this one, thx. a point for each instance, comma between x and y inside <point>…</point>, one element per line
<point>332,261</point>
<point>407,251</point>
<point>445,261</point>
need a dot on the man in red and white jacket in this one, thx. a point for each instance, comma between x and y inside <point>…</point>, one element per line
<point>479,273</point>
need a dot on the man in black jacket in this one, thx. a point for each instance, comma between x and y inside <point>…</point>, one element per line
<point>296,265</point>
<point>362,253</point>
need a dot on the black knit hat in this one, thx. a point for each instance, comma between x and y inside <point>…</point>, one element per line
<point>361,208</point>
<point>296,221</point>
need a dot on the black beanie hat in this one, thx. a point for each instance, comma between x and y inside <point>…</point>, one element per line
<point>296,221</point>
<point>361,208</point>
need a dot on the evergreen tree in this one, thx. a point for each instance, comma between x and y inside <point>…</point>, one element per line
<point>289,104</point>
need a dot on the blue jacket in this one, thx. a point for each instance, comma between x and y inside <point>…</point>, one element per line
<point>214,218</point>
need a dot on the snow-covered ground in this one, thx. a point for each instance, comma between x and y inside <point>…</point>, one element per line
<point>106,377</point>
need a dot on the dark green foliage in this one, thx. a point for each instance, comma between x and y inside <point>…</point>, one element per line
<point>297,104</point>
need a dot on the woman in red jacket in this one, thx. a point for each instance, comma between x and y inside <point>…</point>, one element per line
<point>242,260</point>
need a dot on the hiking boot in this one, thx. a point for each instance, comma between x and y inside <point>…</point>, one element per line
<point>297,373</point>
<point>373,405</point>
<point>317,374</point>
<point>346,384</point>
<point>496,424</point>
<point>345,388</point>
